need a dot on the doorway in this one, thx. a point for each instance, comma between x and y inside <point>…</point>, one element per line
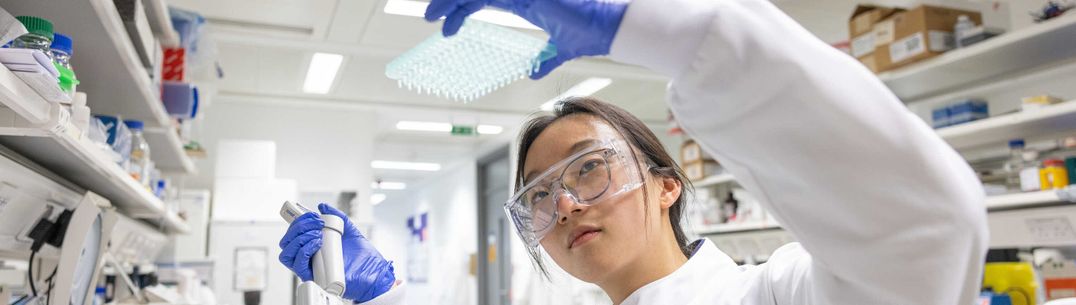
<point>494,260</point>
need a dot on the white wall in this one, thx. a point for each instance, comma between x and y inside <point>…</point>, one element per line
<point>323,148</point>
<point>450,198</point>
<point>225,237</point>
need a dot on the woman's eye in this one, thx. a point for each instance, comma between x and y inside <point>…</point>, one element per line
<point>588,167</point>
<point>538,196</point>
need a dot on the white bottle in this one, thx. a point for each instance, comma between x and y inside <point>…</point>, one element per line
<point>961,28</point>
<point>1029,175</point>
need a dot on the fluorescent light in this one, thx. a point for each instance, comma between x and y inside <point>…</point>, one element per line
<point>387,185</point>
<point>490,129</point>
<point>424,126</point>
<point>418,9</point>
<point>377,198</point>
<point>413,166</point>
<point>585,88</point>
<point>322,72</point>
<point>444,127</point>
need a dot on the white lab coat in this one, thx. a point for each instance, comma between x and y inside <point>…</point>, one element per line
<point>885,211</point>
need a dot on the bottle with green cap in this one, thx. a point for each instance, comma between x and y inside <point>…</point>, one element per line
<point>39,36</point>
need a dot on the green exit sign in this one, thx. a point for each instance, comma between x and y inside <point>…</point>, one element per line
<point>463,130</point>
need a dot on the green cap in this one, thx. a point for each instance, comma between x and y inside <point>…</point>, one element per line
<point>37,25</point>
<point>67,78</point>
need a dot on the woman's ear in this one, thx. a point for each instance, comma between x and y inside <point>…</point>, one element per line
<point>670,191</point>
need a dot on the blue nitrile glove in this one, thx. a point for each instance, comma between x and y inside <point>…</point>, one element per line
<point>576,27</point>
<point>366,273</point>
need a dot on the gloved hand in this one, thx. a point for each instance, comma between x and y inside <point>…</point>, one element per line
<point>366,273</point>
<point>576,27</point>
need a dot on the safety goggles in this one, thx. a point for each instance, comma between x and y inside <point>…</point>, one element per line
<point>599,172</point>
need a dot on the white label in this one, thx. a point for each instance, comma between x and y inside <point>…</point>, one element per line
<point>863,45</point>
<point>691,153</point>
<point>1029,179</point>
<point>941,41</point>
<point>906,48</point>
<point>1051,229</point>
<point>883,32</point>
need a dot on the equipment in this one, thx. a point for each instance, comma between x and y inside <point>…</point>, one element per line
<point>577,28</point>
<point>598,172</point>
<point>328,262</point>
<point>481,58</point>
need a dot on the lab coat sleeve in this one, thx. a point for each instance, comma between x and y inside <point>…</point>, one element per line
<point>886,211</point>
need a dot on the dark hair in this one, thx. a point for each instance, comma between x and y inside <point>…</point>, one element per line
<point>638,136</point>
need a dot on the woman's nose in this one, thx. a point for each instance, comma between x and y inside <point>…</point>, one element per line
<point>567,206</point>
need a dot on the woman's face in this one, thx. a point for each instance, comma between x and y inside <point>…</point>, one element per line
<point>592,242</point>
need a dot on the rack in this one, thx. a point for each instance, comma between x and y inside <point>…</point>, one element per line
<point>172,159</point>
<point>737,228</point>
<point>1027,48</point>
<point>1048,120</point>
<point>55,144</point>
<point>993,203</point>
<point>714,180</point>
<point>108,67</point>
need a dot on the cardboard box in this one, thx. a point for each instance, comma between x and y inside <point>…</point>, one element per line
<point>923,32</point>
<point>1059,279</point>
<point>699,170</point>
<point>862,34</point>
<point>691,152</point>
<point>865,16</point>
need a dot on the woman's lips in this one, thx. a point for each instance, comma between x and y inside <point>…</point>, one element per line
<point>583,238</point>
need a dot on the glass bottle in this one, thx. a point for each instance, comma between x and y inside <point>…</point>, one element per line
<point>139,168</point>
<point>1015,164</point>
<point>39,36</point>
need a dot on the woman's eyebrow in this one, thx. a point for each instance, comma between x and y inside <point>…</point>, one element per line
<point>583,144</point>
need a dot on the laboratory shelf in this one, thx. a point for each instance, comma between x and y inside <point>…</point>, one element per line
<point>83,164</point>
<point>1028,200</point>
<point>157,14</point>
<point>105,60</point>
<point>20,98</point>
<point>993,204</point>
<point>1031,47</point>
<point>737,228</point>
<point>1028,123</point>
<point>167,151</point>
<point>714,180</point>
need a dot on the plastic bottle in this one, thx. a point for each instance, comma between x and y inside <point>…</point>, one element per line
<point>139,168</point>
<point>1054,175</point>
<point>962,26</point>
<point>39,36</point>
<point>62,49</point>
<point>1029,176</point>
<point>729,209</point>
<point>1015,164</point>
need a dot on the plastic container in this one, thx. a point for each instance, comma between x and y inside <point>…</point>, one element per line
<point>1030,180</point>
<point>1054,175</point>
<point>961,28</point>
<point>119,138</point>
<point>39,36</point>
<point>481,58</point>
<point>140,164</point>
<point>1015,165</point>
<point>62,49</point>
<point>1070,164</point>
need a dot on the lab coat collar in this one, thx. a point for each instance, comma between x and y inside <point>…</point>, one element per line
<point>683,285</point>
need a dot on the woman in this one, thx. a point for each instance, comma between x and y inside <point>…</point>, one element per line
<point>884,211</point>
